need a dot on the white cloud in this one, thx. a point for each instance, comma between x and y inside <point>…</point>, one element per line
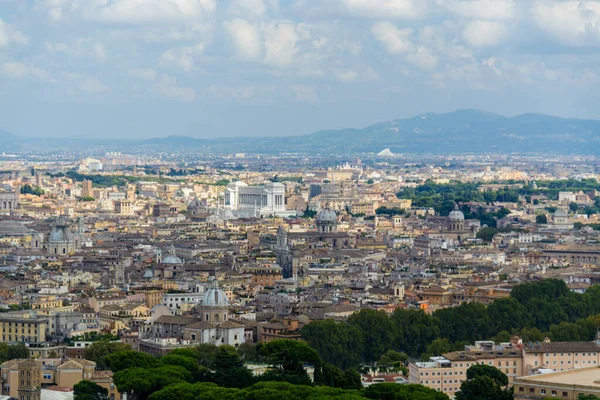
<point>129,11</point>
<point>246,38</point>
<point>15,69</point>
<point>481,9</point>
<point>167,87</point>
<point>393,39</point>
<point>281,39</point>
<point>56,47</point>
<point>570,22</point>
<point>484,33</point>
<point>345,75</point>
<point>253,8</point>
<point>92,85</point>
<point>147,74</point>
<point>100,51</point>
<point>306,93</point>
<point>9,35</point>
<point>423,58</point>
<point>400,9</point>
<point>182,57</point>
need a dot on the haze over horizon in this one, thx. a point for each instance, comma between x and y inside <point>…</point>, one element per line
<point>207,68</point>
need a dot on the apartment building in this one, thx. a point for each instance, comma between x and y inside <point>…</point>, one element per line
<point>565,385</point>
<point>24,327</point>
<point>446,373</point>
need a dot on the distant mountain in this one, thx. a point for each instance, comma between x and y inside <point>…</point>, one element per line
<point>461,131</point>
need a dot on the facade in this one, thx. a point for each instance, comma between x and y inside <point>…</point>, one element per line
<point>25,327</point>
<point>566,385</point>
<point>265,274</point>
<point>8,201</point>
<point>123,206</point>
<point>256,201</point>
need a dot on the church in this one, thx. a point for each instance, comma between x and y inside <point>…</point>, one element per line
<point>327,232</point>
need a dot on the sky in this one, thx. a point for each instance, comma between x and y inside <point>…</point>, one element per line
<point>213,68</point>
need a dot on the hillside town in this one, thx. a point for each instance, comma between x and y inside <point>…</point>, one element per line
<point>161,255</point>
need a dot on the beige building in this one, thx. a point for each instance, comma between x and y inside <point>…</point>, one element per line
<point>23,379</point>
<point>24,327</point>
<point>566,385</point>
<point>446,373</point>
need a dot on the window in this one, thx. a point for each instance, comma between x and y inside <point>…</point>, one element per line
<point>554,393</point>
<point>47,376</point>
<point>565,394</point>
<point>531,390</point>
<point>542,391</point>
<point>521,389</point>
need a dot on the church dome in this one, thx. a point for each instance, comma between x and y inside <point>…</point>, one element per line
<point>60,232</point>
<point>560,213</point>
<point>456,215</point>
<point>326,216</point>
<point>172,258</point>
<point>214,296</point>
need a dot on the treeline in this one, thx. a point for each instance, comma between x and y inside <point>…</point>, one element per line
<point>211,372</point>
<point>532,311</point>
<point>28,189</point>
<point>442,197</point>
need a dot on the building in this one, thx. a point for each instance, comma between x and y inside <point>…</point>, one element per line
<point>256,201</point>
<point>123,207</point>
<point>565,385</point>
<point>264,274</point>
<point>9,201</point>
<point>87,188</point>
<point>23,327</point>
<point>24,379</point>
<point>61,240</point>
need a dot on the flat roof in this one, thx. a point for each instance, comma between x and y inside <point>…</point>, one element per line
<point>578,376</point>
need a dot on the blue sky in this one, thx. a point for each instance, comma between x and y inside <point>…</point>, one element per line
<point>210,68</point>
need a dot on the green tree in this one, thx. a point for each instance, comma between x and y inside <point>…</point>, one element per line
<point>88,390</point>
<point>378,331</point>
<point>437,348</point>
<point>337,343</point>
<point>98,351</point>
<point>393,391</point>
<point>131,359</point>
<point>484,382</point>
<point>487,234</point>
<point>393,356</point>
<point>230,370</point>
<point>288,358</point>
<point>541,219</point>
<point>191,364</point>
<point>206,354</point>
<point>573,207</point>
<point>138,383</point>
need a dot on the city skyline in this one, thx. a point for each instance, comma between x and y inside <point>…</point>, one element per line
<point>207,69</point>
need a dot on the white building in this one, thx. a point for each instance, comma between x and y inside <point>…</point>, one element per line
<point>174,301</point>
<point>256,201</point>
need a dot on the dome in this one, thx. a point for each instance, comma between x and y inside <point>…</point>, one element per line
<point>560,213</point>
<point>214,296</point>
<point>326,216</point>
<point>456,215</point>
<point>172,258</point>
<point>13,228</point>
<point>60,232</point>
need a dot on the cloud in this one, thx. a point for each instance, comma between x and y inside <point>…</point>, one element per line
<point>246,38</point>
<point>481,9</point>
<point>281,39</point>
<point>92,85</point>
<point>423,58</point>
<point>15,69</point>
<point>397,9</point>
<point>56,47</point>
<point>574,23</point>
<point>394,40</point>
<point>9,35</point>
<point>345,75</point>
<point>253,8</point>
<point>167,87</point>
<point>147,74</point>
<point>484,33</point>
<point>182,57</point>
<point>100,51</point>
<point>306,93</point>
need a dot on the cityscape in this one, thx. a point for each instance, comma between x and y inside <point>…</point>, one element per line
<point>292,199</point>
